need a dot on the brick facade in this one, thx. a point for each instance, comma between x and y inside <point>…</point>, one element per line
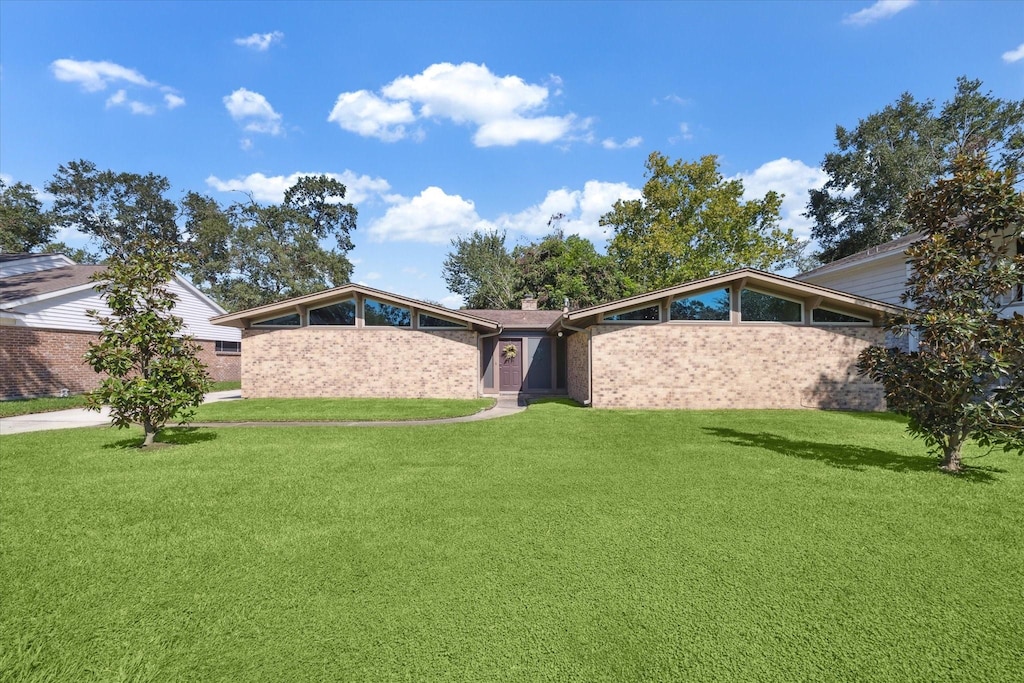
<point>731,366</point>
<point>36,362</point>
<point>578,366</point>
<point>360,362</point>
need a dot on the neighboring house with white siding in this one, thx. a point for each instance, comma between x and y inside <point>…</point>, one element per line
<point>881,273</point>
<point>45,332</point>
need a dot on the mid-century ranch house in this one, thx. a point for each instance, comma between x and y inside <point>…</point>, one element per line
<point>744,339</point>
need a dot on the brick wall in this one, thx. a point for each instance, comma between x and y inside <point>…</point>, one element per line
<point>359,362</point>
<point>35,362</point>
<point>726,366</point>
<point>578,366</point>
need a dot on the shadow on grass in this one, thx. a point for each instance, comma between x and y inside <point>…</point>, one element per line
<point>845,456</point>
<point>561,401</point>
<point>171,436</point>
<point>878,417</point>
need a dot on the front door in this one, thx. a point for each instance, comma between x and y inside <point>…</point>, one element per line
<point>510,360</point>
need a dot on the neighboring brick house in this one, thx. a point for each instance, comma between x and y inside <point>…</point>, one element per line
<point>881,273</point>
<point>745,339</point>
<point>44,331</point>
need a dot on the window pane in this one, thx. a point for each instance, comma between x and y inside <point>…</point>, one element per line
<point>642,314</point>
<point>431,321</point>
<point>713,305</point>
<point>377,313</point>
<point>823,315</point>
<point>341,313</point>
<point>760,307</point>
<point>292,319</point>
<point>228,347</point>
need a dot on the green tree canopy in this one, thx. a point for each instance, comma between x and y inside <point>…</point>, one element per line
<point>482,271</point>
<point>117,209</point>
<point>560,267</point>
<point>691,222</point>
<point>24,226</point>
<point>966,381</point>
<point>904,148</point>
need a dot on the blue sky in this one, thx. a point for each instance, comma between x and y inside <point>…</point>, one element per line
<point>445,117</point>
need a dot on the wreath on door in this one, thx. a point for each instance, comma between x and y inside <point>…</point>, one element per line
<point>509,352</point>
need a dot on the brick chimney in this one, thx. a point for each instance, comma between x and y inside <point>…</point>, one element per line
<point>529,304</point>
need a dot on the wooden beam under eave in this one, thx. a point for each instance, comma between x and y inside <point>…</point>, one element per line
<point>810,304</point>
<point>735,290</point>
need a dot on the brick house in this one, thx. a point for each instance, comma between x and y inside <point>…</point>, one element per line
<point>745,339</point>
<point>44,331</point>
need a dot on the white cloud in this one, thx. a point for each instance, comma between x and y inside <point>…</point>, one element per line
<point>503,108</point>
<point>359,188</point>
<point>253,109</point>
<point>373,276</point>
<point>882,9</point>
<point>452,301</point>
<point>629,143</point>
<point>95,76</point>
<point>260,41</point>
<point>364,113</point>
<point>1012,56</point>
<point>98,76</point>
<point>582,210</point>
<point>508,132</point>
<point>117,99</point>
<point>432,216</point>
<point>685,134</point>
<point>245,144</point>
<point>789,177</point>
<point>173,101</point>
<point>120,99</point>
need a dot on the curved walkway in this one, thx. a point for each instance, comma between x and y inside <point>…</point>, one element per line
<point>79,417</point>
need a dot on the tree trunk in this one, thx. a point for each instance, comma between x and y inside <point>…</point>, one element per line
<point>150,431</point>
<point>951,455</point>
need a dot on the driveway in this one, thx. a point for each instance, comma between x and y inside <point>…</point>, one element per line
<point>79,417</point>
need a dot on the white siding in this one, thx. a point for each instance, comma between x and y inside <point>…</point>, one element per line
<point>34,264</point>
<point>883,279</point>
<point>68,313</point>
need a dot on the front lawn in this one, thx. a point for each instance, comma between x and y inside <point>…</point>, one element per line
<point>557,544</point>
<point>28,406</point>
<point>338,409</point>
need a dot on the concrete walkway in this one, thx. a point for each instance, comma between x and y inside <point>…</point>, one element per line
<point>79,417</point>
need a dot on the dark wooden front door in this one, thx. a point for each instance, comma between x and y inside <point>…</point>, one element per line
<point>511,373</point>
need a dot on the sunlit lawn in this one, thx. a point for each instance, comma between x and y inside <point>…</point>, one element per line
<point>338,409</point>
<point>557,544</point>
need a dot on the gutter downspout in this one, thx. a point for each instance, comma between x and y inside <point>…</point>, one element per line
<point>480,367</point>
<point>590,359</point>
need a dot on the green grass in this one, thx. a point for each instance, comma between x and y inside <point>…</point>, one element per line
<point>28,406</point>
<point>337,409</point>
<point>556,544</point>
<point>225,386</point>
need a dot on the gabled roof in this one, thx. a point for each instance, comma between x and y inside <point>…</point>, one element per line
<point>516,318</point>
<point>746,277</point>
<point>26,288</point>
<point>890,248</point>
<point>16,289</point>
<point>243,318</point>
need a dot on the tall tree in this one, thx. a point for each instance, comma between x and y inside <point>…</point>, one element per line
<point>154,375</point>
<point>903,148</point>
<point>559,268</point>
<point>276,251</point>
<point>482,271</point>
<point>967,379</point>
<point>117,209</point>
<point>24,225</point>
<point>691,222</point>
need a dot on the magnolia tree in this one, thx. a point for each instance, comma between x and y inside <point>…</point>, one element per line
<point>154,375</point>
<point>966,381</point>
